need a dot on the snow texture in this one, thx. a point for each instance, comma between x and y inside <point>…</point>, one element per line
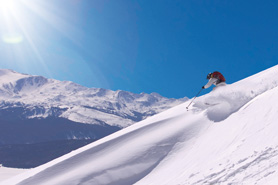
<point>6,173</point>
<point>228,137</point>
<point>225,100</point>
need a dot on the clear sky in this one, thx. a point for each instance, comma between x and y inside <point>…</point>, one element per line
<point>163,46</point>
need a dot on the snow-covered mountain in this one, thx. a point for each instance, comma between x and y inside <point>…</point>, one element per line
<point>229,136</point>
<point>27,97</point>
<point>41,98</point>
<point>34,109</point>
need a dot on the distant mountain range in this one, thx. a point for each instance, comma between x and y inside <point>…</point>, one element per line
<point>34,109</point>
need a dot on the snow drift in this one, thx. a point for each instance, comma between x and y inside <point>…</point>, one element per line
<point>228,137</point>
<point>225,100</point>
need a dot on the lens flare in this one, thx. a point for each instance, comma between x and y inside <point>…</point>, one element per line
<point>12,38</point>
<point>28,29</point>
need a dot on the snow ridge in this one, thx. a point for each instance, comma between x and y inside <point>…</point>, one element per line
<point>224,101</point>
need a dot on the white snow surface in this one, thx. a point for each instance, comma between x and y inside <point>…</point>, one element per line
<point>79,103</point>
<point>6,173</point>
<point>233,140</point>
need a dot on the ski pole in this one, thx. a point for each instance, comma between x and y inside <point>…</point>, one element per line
<point>194,98</point>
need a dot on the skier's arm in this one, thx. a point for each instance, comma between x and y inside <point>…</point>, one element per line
<point>210,82</point>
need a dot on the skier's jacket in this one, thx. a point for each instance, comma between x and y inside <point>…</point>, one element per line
<point>215,78</point>
<point>218,76</point>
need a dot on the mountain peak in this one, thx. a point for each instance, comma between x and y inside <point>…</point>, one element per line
<point>6,71</point>
<point>9,72</point>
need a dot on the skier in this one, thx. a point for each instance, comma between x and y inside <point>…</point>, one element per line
<point>215,78</point>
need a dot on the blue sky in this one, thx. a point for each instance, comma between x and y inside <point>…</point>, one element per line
<point>163,46</point>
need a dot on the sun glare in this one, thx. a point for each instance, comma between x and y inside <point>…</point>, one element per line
<point>10,33</point>
<point>7,4</point>
<point>12,38</point>
<point>26,26</point>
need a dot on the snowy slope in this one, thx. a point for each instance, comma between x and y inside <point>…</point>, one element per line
<point>232,140</point>
<point>6,173</point>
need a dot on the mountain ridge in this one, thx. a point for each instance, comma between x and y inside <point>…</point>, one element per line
<point>38,91</point>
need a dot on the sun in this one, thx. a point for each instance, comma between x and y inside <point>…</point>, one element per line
<point>28,28</point>
<point>10,32</point>
<point>7,5</point>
